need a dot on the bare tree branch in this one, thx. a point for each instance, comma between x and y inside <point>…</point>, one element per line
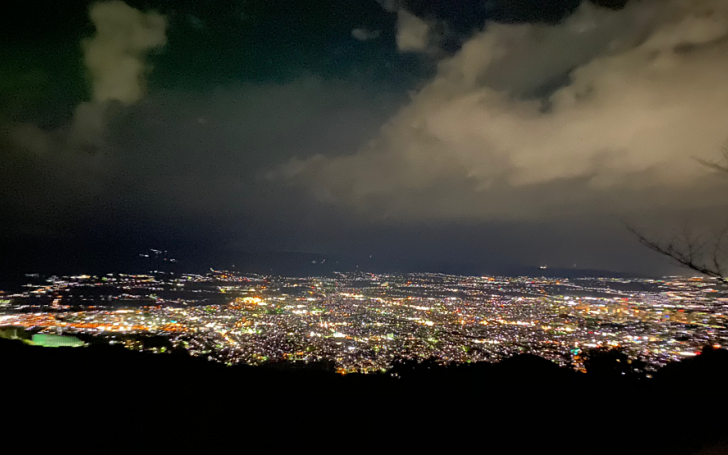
<point>688,252</point>
<point>720,166</point>
<point>716,166</point>
<point>718,251</point>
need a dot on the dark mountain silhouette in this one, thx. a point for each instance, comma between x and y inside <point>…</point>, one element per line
<point>103,399</point>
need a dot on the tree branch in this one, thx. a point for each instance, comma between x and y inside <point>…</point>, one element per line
<point>687,256</point>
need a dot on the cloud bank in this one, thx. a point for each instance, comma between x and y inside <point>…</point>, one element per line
<point>604,111</point>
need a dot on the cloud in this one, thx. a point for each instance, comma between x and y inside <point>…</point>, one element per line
<point>115,58</point>
<point>601,112</point>
<point>413,33</point>
<point>115,55</point>
<point>389,5</point>
<point>363,34</point>
<point>160,161</point>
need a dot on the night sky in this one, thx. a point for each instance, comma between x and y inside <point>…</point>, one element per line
<point>439,135</point>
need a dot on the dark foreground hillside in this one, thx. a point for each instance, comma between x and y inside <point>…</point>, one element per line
<point>104,400</point>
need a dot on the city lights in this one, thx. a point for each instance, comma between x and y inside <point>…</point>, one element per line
<point>361,325</point>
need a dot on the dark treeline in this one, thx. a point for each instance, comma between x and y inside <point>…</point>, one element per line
<point>103,399</point>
